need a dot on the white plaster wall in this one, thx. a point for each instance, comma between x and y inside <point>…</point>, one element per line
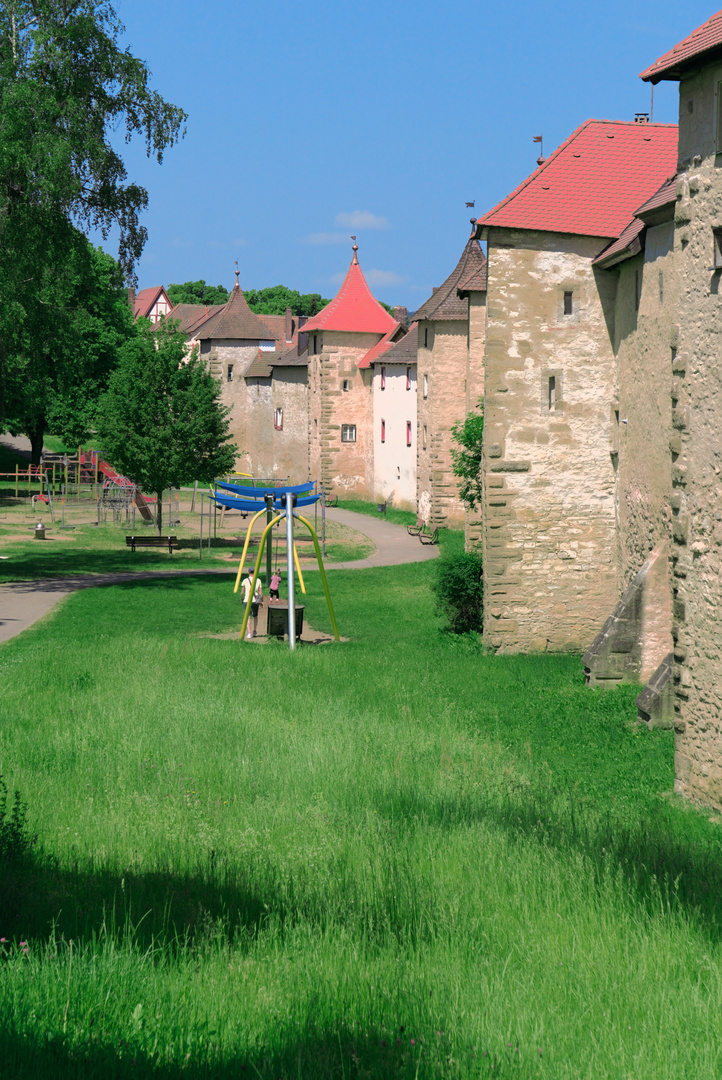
<point>394,461</point>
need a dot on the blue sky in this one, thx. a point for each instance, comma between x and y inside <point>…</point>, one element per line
<point>312,121</point>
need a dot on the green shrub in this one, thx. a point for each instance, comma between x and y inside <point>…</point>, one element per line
<point>459,591</point>
<point>14,839</point>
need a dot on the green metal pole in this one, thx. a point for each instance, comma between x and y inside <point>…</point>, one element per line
<point>311,529</point>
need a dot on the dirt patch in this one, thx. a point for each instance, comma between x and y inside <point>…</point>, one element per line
<point>310,636</point>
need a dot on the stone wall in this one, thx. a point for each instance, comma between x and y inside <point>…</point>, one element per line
<point>344,468</point>
<point>549,529</point>
<point>641,421</point>
<point>289,392</point>
<point>221,356</point>
<point>394,459</point>
<point>697,449</point>
<point>443,363</point>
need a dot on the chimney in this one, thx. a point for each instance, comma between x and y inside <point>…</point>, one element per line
<point>401,314</point>
<point>641,118</point>
<point>288,326</point>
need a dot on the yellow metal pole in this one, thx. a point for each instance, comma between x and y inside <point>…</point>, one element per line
<point>312,531</point>
<point>247,612</point>
<point>298,568</point>
<point>254,519</point>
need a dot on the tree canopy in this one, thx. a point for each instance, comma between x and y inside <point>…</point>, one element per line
<point>275,300</point>
<point>72,328</point>
<point>197,292</point>
<point>66,85</point>
<point>161,422</point>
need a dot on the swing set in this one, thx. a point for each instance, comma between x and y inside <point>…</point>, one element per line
<point>278,504</point>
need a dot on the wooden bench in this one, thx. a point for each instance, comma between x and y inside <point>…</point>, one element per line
<point>429,538</point>
<point>169,542</point>
<point>417,529</point>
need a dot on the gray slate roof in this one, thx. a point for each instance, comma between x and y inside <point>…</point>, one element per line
<point>445,303</point>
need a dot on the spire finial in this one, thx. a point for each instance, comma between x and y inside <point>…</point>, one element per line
<point>354,248</point>
<point>237,273</point>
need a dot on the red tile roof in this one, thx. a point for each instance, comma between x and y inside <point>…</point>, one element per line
<point>396,333</point>
<point>592,184</point>
<point>704,39</point>
<point>146,298</point>
<point>353,309</point>
<point>628,244</point>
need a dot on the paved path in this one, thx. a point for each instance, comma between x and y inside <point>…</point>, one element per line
<point>24,602</point>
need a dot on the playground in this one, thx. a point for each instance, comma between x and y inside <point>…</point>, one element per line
<point>399,857</point>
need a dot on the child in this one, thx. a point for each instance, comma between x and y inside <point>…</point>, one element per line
<point>273,589</point>
<point>255,603</point>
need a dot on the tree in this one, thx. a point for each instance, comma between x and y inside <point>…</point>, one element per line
<point>73,327</point>
<point>197,292</point>
<point>466,461</point>
<point>161,422</point>
<point>275,300</point>
<point>66,86</point>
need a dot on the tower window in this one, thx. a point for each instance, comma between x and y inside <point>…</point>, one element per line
<point>568,303</point>
<point>348,433</point>
<point>346,385</point>
<point>383,431</point>
<point>426,337</point>
<point>408,433</point>
<point>383,378</point>
<point>423,443</point>
<point>426,386</point>
<point>278,419</point>
<point>552,398</point>
<point>315,344</point>
<point>717,234</point>
<point>408,378</point>
<point>230,373</point>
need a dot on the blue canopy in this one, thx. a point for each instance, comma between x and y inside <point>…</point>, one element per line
<point>231,502</point>
<point>259,492</point>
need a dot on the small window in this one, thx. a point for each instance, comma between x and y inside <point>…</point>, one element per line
<point>348,433</point>
<point>383,378</point>
<point>408,433</point>
<point>423,443</point>
<point>408,378</point>
<point>717,233</point>
<point>346,386</point>
<point>426,337</point>
<point>426,386</point>
<point>278,419</point>
<point>568,303</point>
<point>315,344</point>
<point>383,431</point>
<point>552,398</point>
<point>230,372</point>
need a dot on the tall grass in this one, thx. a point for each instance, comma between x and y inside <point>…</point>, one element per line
<point>394,857</point>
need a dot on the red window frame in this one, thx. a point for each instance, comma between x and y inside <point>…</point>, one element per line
<point>383,431</point>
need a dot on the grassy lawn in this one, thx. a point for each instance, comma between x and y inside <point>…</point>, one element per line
<point>395,857</point>
<point>360,506</point>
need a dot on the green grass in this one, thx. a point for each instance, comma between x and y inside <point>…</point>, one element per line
<point>252,863</point>
<point>359,506</point>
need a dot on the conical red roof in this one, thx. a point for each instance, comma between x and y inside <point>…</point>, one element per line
<point>353,308</point>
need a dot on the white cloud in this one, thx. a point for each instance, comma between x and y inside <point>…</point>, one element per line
<point>362,219</point>
<point>383,277</point>
<point>325,238</point>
